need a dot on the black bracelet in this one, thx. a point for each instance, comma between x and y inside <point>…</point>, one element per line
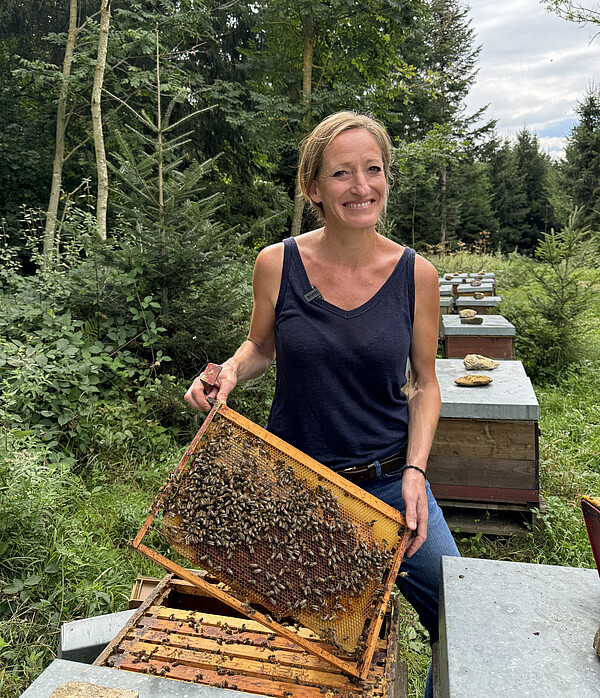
<point>414,467</point>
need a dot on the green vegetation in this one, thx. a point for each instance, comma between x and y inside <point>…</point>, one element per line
<point>90,431</point>
<point>107,312</point>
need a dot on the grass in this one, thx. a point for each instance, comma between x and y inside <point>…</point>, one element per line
<point>64,528</point>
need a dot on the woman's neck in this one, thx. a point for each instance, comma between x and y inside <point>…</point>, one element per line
<point>349,247</point>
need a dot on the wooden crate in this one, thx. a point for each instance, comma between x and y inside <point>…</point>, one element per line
<point>180,633</point>
<point>485,460</point>
<point>483,306</point>
<point>446,303</point>
<point>487,288</point>
<point>486,448</point>
<point>494,337</point>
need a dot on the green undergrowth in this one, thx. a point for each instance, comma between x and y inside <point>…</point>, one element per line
<point>71,497</point>
<point>569,467</point>
<point>64,548</point>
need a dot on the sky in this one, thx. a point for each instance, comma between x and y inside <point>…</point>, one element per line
<point>533,68</point>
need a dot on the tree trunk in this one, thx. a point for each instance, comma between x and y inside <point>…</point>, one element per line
<point>59,148</point>
<point>308,32</point>
<point>101,168</point>
<point>443,209</point>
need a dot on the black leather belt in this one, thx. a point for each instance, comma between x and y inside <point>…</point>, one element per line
<point>369,472</point>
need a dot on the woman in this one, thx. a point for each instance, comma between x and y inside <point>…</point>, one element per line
<point>343,308</point>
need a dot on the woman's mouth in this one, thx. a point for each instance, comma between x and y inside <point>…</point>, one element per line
<point>358,204</point>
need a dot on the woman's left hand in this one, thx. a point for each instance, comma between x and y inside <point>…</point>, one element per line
<point>417,512</point>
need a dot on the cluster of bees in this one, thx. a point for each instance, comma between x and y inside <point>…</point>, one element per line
<point>246,516</point>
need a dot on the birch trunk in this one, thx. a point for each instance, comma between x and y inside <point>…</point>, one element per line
<point>96,109</point>
<point>443,209</point>
<point>308,31</point>
<point>59,148</point>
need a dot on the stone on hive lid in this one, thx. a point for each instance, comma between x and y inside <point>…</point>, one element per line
<point>479,362</point>
<point>476,282</point>
<point>473,380</point>
<point>467,312</point>
<point>448,277</point>
<point>478,295</point>
<point>481,272</point>
<point>82,689</point>
<point>477,320</point>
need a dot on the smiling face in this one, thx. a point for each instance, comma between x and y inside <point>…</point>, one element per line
<point>350,185</point>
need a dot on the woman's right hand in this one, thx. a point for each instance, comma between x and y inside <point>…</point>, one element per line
<point>223,385</point>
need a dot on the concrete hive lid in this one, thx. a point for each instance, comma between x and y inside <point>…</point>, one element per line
<point>510,397</point>
<point>492,325</point>
<point>487,301</point>
<point>485,286</point>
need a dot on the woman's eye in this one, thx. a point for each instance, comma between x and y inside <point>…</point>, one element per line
<point>339,173</point>
<point>375,168</point>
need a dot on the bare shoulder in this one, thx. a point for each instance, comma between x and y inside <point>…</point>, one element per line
<point>426,275</point>
<point>267,273</point>
<point>269,259</point>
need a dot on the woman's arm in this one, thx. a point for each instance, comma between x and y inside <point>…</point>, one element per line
<point>257,353</point>
<point>423,400</point>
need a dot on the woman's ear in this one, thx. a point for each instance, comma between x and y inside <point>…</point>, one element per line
<point>313,192</point>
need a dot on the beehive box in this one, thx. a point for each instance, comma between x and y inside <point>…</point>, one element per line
<point>446,304</point>
<point>494,337</point>
<point>483,306</point>
<point>181,633</point>
<point>488,288</point>
<point>487,275</point>
<point>485,452</point>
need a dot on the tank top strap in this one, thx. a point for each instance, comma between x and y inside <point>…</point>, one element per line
<point>289,247</point>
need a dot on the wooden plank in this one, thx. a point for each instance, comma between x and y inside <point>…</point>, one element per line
<point>245,646</point>
<point>482,472</point>
<point>235,623</point>
<point>485,494</point>
<point>222,678</point>
<point>500,523</point>
<point>396,672</point>
<point>219,620</point>
<point>483,438</point>
<point>268,666</point>
<point>159,593</point>
<point>458,346</point>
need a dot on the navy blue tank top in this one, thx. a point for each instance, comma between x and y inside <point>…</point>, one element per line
<point>338,394</point>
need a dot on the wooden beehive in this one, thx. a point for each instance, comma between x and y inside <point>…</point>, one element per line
<point>487,288</point>
<point>494,337</point>
<point>484,306</point>
<point>181,633</point>
<point>485,452</point>
<point>446,303</point>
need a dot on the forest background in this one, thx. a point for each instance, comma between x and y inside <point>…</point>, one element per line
<point>148,150</point>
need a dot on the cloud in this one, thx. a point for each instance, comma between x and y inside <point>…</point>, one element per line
<point>534,67</point>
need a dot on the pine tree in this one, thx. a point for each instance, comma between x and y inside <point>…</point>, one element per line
<point>582,167</point>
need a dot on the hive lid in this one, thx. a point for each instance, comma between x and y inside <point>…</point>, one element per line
<point>492,326</point>
<point>487,301</point>
<point>509,397</point>
<point>467,288</point>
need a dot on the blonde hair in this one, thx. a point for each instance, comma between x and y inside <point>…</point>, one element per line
<point>313,147</point>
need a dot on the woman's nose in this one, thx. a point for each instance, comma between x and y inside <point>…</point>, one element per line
<point>359,183</point>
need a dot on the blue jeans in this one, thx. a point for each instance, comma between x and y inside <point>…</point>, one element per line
<point>420,586</point>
